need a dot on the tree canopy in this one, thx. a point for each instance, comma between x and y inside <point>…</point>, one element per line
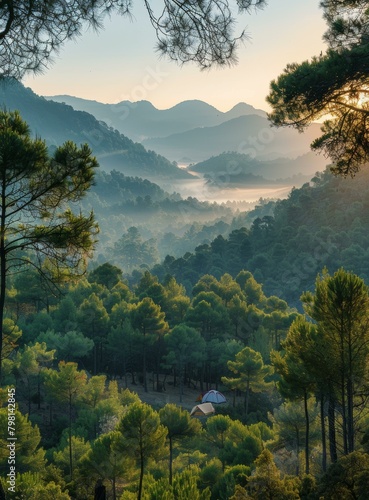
<point>333,85</point>
<point>35,216</point>
<point>200,31</point>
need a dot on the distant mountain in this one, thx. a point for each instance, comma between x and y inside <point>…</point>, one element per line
<point>141,120</point>
<point>193,131</point>
<point>56,123</point>
<point>242,170</point>
<point>250,134</point>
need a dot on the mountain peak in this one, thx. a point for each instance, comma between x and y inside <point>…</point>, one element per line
<point>244,109</point>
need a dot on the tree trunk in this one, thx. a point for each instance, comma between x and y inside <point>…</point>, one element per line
<point>297,452</point>
<point>307,432</point>
<point>181,375</point>
<point>29,396</point>
<point>144,363</point>
<point>247,394</point>
<point>39,390</point>
<point>170,461</point>
<point>141,476</point>
<point>114,489</point>
<point>344,414</point>
<point>323,433</point>
<point>101,357</point>
<point>95,358</point>
<point>350,416</point>
<point>343,371</point>
<point>202,377</point>
<point>2,271</point>
<point>70,439</point>
<point>125,372</point>
<point>332,429</point>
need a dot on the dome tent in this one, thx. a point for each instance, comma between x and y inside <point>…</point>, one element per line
<point>202,410</point>
<point>213,397</point>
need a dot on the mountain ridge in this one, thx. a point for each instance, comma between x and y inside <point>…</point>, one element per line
<point>141,120</point>
<point>56,123</point>
<point>247,134</point>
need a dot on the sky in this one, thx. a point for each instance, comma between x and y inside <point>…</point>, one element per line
<point>120,62</point>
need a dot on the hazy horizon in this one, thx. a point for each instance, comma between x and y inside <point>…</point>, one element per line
<point>158,108</point>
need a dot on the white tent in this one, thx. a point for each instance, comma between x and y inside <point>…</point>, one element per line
<point>213,397</point>
<point>202,410</point>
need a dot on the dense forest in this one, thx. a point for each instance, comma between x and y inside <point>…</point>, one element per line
<point>286,243</point>
<point>140,223</point>
<point>290,428</point>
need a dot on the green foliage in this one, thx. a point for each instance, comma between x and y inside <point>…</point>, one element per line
<point>320,224</point>
<point>143,437</point>
<point>252,372</point>
<point>100,406</point>
<point>235,443</point>
<point>29,456</point>
<point>93,320</point>
<point>346,479</point>
<point>178,422</point>
<point>106,274</point>
<point>104,460</point>
<point>69,346</point>
<point>65,316</point>
<point>224,488</point>
<point>329,84</point>
<point>28,366</point>
<point>11,335</point>
<point>340,308</point>
<point>186,349</point>
<point>213,44</point>
<point>35,213</point>
<point>208,314</point>
<point>211,472</point>
<point>132,251</point>
<point>211,338</point>
<point>31,485</point>
<point>123,344</point>
<point>61,456</point>
<point>266,482</point>
<point>147,317</point>
<point>290,425</point>
<point>332,84</point>
<point>185,485</point>
<point>66,386</point>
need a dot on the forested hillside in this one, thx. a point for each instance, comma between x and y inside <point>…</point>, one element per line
<point>57,123</point>
<point>324,223</point>
<point>167,223</point>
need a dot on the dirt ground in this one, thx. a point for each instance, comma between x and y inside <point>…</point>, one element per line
<point>169,395</point>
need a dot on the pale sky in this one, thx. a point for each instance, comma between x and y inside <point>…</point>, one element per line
<point>120,62</point>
